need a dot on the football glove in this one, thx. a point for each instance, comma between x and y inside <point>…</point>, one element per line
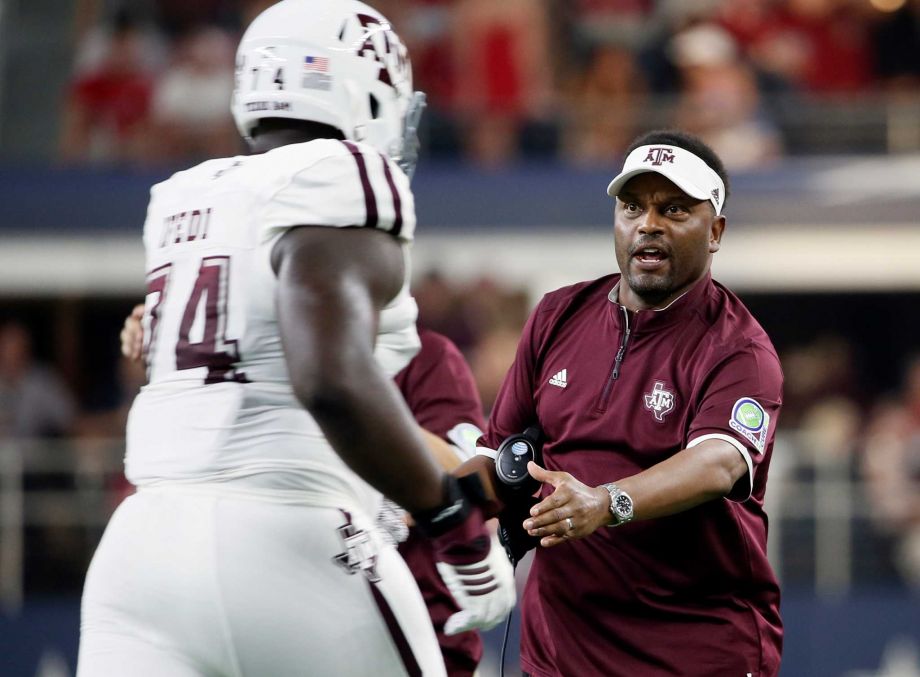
<point>391,521</point>
<point>483,590</point>
<point>473,567</point>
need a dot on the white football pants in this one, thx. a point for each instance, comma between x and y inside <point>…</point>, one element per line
<point>194,585</point>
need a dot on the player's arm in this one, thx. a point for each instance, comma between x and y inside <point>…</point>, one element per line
<point>333,282</point>
<point>441,450</point>
<point>446,458</point>
<point>332,285</point>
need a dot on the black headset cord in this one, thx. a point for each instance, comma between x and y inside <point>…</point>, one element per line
<point>501,664</point>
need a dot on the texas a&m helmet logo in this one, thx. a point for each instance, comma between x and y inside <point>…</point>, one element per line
<point>660,401</point>
<point>379,42</point>
<point>658,156</point>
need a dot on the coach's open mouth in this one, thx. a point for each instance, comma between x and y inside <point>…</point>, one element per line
<point>649,258</point>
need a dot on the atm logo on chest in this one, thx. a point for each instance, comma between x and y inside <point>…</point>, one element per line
<point>660,401</point>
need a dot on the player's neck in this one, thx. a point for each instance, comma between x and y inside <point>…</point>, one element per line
<point>277,138</point>
<point>273,133</point>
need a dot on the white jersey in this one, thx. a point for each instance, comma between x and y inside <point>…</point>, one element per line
<point>219,406</point>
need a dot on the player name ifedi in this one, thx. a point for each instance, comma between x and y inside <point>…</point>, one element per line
<point>186,226</point>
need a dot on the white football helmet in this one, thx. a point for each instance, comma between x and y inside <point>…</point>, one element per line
<point>335,62</point>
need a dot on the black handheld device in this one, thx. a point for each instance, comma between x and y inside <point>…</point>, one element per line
<point>512,457</point>
<point>511,468</point>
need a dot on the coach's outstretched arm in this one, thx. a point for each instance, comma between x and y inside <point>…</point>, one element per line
<point>333,282</point>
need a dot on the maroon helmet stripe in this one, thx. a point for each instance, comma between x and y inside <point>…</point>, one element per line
<point>396,632</point>
<point>397,203</point>
<point>370,202</point>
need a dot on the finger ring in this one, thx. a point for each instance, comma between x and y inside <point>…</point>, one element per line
<point>570,523</point>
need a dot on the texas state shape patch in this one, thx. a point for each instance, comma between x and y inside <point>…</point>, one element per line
<point>751,421</point>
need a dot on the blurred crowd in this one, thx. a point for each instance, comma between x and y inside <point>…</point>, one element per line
<point>831,419</point>
<point>519,79</point>
<point>569,79</point>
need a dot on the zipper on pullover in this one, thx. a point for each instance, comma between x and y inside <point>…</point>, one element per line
<point>617,363</point>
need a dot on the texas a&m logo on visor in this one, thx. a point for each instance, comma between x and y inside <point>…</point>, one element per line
<point>658,156</point>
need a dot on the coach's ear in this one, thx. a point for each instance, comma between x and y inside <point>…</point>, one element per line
<point>715,234</point>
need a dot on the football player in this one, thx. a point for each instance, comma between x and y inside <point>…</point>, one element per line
<point>441,392</point>
<point>268,429</point>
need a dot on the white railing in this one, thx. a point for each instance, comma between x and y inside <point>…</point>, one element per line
<point>52,484</point>
<point>823,494</point>
<point>804,486</point>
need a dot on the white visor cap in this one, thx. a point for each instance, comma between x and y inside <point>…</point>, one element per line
<point>687,171</point>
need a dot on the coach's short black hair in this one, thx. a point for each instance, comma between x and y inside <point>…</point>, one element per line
<point>681,139</point>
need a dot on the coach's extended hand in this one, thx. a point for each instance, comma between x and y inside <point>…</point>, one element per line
<point>573,510</point>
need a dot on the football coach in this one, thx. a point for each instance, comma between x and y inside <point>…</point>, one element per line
<point>657,393</point>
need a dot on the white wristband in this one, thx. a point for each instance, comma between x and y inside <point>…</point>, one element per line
<point>485,451</point>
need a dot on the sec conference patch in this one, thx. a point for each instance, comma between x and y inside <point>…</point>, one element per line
<point>751,421</point>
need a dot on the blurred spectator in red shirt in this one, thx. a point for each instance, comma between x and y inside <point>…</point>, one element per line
<point>426,26</point>
<point>96,33</point>
<point>503,72</point>
<point>107,110</point>
<point>816,45</point>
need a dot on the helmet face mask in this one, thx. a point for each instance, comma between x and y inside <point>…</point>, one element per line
<point>336,63</point>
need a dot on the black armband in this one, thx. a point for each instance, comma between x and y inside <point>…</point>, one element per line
<point>460,495</point>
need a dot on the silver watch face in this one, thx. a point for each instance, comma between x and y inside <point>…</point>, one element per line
<point>623,506</point>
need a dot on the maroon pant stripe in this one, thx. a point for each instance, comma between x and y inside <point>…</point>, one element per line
<point>396,632</point>
<point>370,202</point>
<point>397,203</point>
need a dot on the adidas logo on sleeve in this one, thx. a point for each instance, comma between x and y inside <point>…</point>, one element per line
<point>560,379</point>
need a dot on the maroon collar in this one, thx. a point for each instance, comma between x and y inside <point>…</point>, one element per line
<point>680,310</point>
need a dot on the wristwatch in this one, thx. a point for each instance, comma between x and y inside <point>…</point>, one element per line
<point>621,505</point>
